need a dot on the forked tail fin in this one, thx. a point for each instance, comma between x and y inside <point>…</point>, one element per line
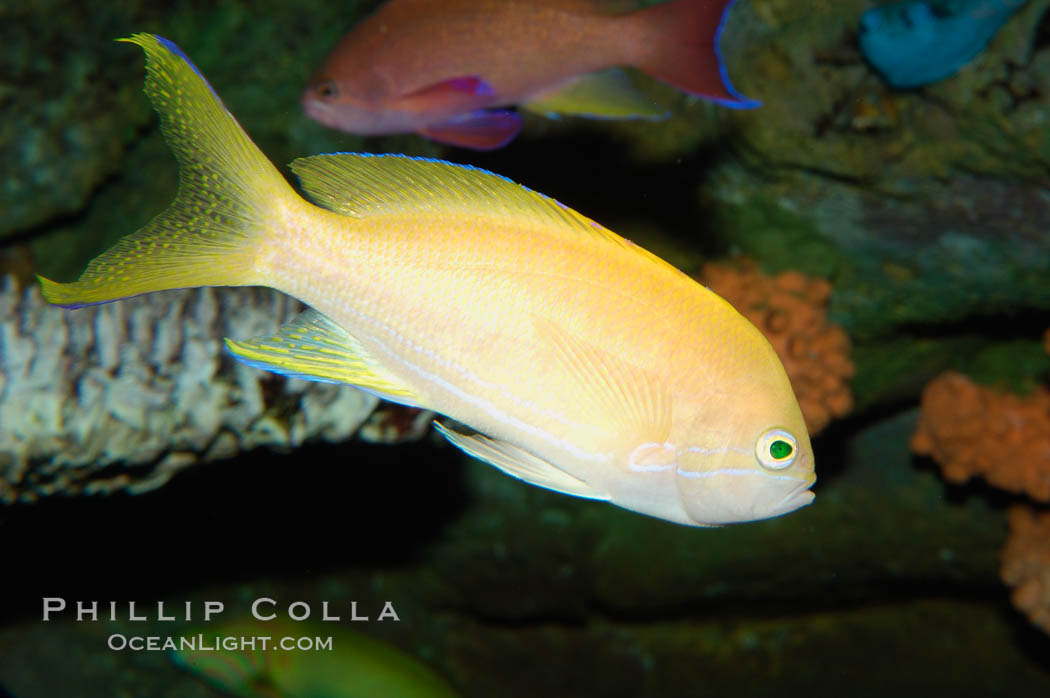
<point>211,233</point>
<point>679,45</point>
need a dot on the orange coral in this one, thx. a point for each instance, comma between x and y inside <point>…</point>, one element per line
<point>971,430</point>
<point>1026,563</point>
<point>791,311</point>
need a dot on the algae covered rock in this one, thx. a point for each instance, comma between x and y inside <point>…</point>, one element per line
<point>825,110</point>
<point>70,108</point>
<point>923,206</point>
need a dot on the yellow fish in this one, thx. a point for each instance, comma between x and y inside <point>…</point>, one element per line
<point>576,360</point>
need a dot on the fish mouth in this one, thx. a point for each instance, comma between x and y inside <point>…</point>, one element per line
<point>319,111</point>
<point>796,499</point>
<point>743,495</point>
<point>352,117</point>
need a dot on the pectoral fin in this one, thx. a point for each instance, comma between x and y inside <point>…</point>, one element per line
<point>455,94</point>
<point>519,463</point>
<point>314,348</point>
<point>633,401</point>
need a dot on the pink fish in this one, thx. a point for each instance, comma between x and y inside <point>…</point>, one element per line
<point>447,69</point>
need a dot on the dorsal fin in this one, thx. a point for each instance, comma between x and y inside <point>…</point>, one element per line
<point>361,184</point>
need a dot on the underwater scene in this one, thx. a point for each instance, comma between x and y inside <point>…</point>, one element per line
<point>505,348</point>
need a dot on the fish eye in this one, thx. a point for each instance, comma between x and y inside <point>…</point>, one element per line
<point>776,449</point>
<point>327,89</point>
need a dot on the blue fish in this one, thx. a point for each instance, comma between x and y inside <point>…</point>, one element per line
<point>917,42</point>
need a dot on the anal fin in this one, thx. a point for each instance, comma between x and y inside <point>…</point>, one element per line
<point>519,463</point>
<point>483,129</point>
<point>314,348</point>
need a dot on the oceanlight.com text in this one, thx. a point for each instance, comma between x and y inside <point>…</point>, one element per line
<point>217,643</point>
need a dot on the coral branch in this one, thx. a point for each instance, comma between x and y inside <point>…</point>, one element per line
<point>791,310</point>
<point>123,395</point>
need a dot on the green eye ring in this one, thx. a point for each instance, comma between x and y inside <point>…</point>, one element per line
<point>776,449</point>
